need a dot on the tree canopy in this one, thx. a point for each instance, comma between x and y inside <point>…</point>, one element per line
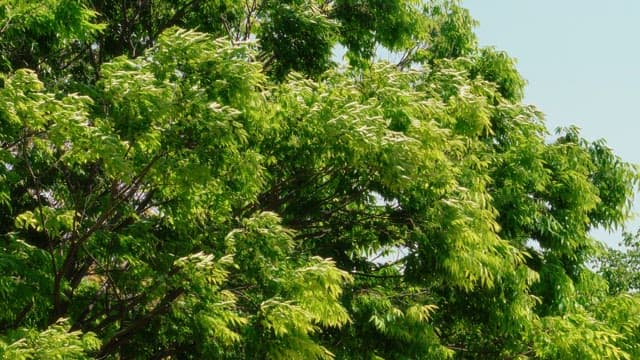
<point>202,179</point>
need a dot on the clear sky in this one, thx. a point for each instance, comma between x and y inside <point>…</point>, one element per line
<point>582,63</point>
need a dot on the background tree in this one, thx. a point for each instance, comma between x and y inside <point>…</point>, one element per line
<point>198,179</point>
<point>620,267</point>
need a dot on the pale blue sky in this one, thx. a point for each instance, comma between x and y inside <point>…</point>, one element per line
<point>582,63</point>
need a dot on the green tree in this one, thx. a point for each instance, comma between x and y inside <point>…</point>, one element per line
<point>198,179</point>
<point>621,267</point>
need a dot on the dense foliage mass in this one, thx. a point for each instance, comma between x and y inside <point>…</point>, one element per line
<point>198,179</point>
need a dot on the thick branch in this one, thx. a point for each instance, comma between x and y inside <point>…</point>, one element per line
<point>179,14</point>
<point>77,241</point>
<point>122,336</point>
<point>359,273</point>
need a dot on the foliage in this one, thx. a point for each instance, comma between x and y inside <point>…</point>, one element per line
<point>621,267</point>
<point>199,179</point>
<point>56,342</point>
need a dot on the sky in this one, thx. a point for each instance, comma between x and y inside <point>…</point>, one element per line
<point>582,63</point>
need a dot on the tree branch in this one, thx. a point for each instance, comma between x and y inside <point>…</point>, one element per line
<point>359,273</point>
<point>122,336</point>
<point>77,241</point>
<point>180,13</point>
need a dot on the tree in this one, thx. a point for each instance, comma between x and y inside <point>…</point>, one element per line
<point>198,179</point>
<point>620,268</point>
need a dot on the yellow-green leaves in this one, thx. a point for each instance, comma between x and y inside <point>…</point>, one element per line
<point>302,296</point>
<point>183,195</point>
<point>576,335</point>
<point>55,342</point>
